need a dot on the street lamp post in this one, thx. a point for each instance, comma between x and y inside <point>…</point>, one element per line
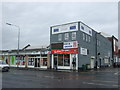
<point>18,35</point>
<point>26,56</point>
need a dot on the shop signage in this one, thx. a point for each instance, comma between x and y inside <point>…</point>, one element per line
<point>83,51</point>
<point>73,44</point>
<point>65,28</point>
<point>65,51</point>
<point>85,29</point>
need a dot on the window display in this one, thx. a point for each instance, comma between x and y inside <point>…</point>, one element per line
<point>30,61</point>
<point>63,60</point>
<point>66,60</point>
<point>60,59</point>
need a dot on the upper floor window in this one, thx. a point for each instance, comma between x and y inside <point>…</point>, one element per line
<point>73,35</point>
<point>98,42</point>
<point>72,27</point>
<point>56,30</point>
<point>82,27</point>
<point>83,36</point>
<point>89,38</point>
<point>86,38</point>
<point>66,36</point>
<point>59,37</point>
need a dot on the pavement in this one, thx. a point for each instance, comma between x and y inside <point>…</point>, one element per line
<point>29,78</point>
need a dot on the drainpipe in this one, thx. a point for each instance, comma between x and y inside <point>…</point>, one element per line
<point>96,62</point>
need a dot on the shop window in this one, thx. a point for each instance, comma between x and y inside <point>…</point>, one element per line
<point>60,60</point>
<point>97,43</point>
<point>30,61</point>
<point>66,36</point>
<point>59,37</point>
<point>66,60</point>
<point>73,35</point>
<point>44,61</point>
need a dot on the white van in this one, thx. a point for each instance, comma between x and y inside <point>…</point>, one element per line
<point>4,66</point>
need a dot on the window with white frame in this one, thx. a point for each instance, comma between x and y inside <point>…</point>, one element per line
<point>66,36</point>
<point>59,37</point>
<point>86,38</point>
<point>89,38</point>
<point>99,43</point>
<point>73,35</point>
<point>83,36</point>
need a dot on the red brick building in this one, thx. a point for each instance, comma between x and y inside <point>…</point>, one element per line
<point>114,42</point>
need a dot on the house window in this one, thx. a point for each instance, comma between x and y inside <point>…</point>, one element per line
<point>86,38</point>
<point>83,36</point>
<point>66,36</point>
<point>59,37</point>
<point>97,43</point>
<point>56,30</point>
<point>73,35</point>
<point>89,38</point>
<point>72,27</point>
<point>82,27</point>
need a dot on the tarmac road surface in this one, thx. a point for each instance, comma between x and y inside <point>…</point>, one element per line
<point>106,78</point>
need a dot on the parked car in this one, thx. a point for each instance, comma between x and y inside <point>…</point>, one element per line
<point>4,66</point>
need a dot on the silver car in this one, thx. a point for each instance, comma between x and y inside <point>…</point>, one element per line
<point>4,66</point>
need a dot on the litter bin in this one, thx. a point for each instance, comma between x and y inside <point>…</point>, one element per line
<point>87,66</point>
<point>84,67</point>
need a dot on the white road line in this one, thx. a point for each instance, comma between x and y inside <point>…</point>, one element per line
<point>105,81</point>
<point>99,84</point>
<point>116,73</point>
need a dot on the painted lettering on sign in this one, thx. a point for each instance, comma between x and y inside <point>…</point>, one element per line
<point>85,29</point>
<point>73,44</point>
<point>64,51</point>
<point>65,28</point>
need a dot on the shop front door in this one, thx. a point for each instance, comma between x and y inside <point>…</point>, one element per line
<point>74,60</point>
<point>55,62</point>
<point>92,63</point>
<point>37,62</point>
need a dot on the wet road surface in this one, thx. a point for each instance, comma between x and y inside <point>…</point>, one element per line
<point>106,78</point>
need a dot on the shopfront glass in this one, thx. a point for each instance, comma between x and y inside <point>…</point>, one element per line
<point>44,61</point>
<point>31,61</point>
<point>66,60</point>
<point>60,59</point>
<point>63,59</point>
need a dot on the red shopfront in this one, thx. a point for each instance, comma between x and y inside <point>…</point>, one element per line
<point>63,58</point>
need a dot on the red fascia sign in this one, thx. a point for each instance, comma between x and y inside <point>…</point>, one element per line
<point>65,51</point>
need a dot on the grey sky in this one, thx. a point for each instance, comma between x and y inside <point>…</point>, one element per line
<point>35,19</point>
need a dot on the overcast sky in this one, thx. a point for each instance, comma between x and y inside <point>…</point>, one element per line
<point>35,19</point>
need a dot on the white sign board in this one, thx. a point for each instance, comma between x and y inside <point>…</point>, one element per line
<point>85,29</point>
<point>65,28</point>
<point>73,44</point>
<point>83,51</point>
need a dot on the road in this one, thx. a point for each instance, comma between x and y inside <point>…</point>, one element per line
<point>106,78</point>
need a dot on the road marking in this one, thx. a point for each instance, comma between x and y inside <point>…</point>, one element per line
<point>105,81</point>
<point>99,84</point>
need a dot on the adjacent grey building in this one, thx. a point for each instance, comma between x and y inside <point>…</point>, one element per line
<point>76,44</point>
